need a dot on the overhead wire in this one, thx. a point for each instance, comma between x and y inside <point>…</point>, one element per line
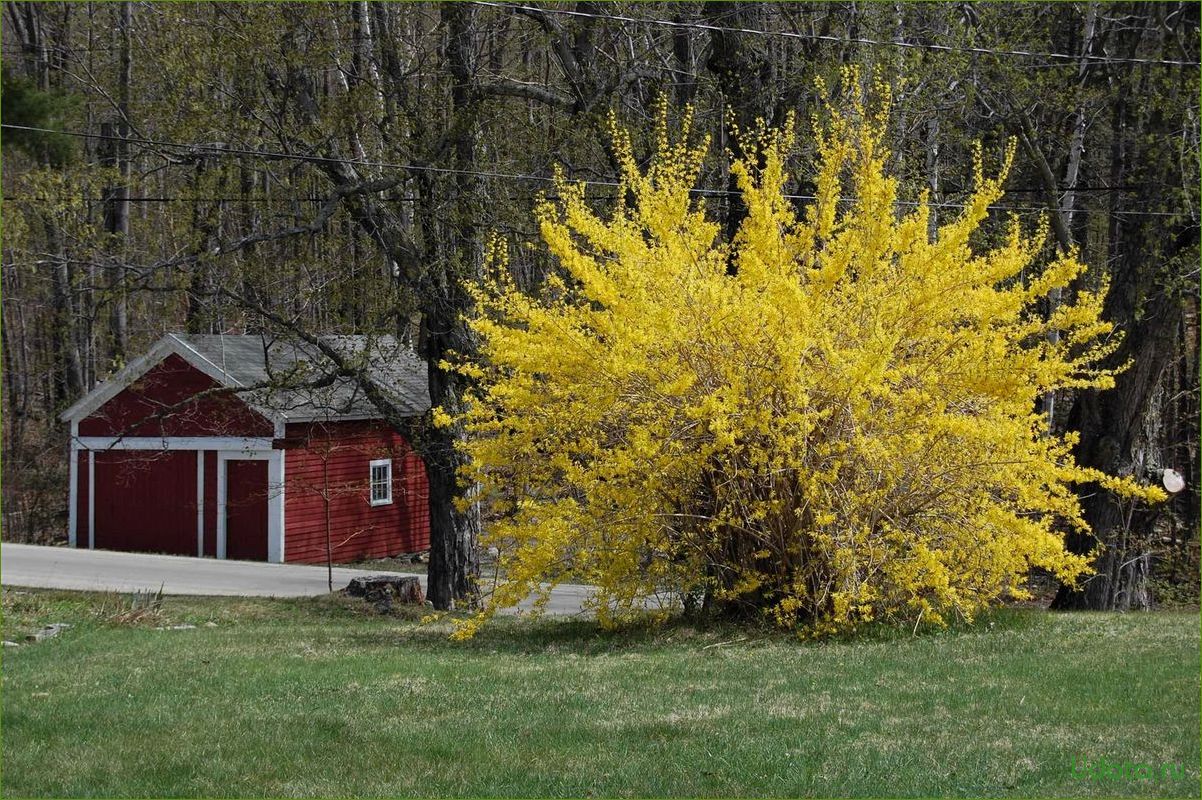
<point>1070,58</point>
<point>222,149</point>
<point>1074,58</point>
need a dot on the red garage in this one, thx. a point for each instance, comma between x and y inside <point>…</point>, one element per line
<point>243,447</point>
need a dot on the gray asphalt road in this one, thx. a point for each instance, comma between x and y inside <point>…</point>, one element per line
<point>105,570</point>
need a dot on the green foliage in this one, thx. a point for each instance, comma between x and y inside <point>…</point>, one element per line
<point>24,104</point>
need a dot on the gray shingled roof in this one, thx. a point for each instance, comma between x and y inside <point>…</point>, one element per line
<point>303,386</point>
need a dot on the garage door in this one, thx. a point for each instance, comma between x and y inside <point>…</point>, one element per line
<point>146,501</point>
<point>246,509</point>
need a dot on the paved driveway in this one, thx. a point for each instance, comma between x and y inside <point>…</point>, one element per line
<point>106,570</point>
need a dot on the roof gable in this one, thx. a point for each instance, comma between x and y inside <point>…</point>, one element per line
<point>168,345</point>
<point>294,380</point>
<point>174,398</point>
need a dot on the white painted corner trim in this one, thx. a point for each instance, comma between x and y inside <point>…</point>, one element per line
<point>275,507</point>
<point>73,497</point>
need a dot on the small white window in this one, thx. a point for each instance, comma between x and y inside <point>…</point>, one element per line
<point>381,482</point>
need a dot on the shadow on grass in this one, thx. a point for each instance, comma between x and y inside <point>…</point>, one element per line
<point>585,637</point>
<point>403,627</point>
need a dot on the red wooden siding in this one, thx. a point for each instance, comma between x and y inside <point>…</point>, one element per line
<point>146,501</point>
<point>357,529</point>
<point>210,548</point>
<point>81,499</point>
<point>157,404</point>
<point>246,509</point>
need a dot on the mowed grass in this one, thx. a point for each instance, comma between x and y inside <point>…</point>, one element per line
<point>286,698</point>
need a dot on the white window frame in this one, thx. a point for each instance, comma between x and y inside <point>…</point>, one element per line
<point>371,482</point>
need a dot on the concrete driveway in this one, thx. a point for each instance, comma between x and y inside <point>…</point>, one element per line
<point>109,571</point>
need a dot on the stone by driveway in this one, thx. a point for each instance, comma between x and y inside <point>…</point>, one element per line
<point>105,570</point>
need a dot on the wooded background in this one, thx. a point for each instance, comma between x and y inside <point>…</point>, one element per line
<point>336,168</point>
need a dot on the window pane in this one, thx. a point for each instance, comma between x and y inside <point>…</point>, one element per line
<point>381,482</point>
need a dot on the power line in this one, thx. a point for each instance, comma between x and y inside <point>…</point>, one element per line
<point>944,48</point>
<point>1069,58</point>
<point>415,198</point>
<point>222,149</point>
<point>185,199</point>
<point>321,200</point>
<point>233,200</point>
<point>705,192</point>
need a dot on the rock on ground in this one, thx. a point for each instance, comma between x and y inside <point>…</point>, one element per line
<point>385,590</point>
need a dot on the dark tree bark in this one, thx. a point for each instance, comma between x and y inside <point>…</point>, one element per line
<point>684,56</point>
<point>436,275</point>
<point>1113,427</point>
<point>114,153</point>
<point>68,369</point>
<point>744,72</point>
<point>198,276</point>
<point>1147,301</point>
<point>454,558</point>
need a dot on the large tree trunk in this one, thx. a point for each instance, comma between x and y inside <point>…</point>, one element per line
<point>454,557</point>
<point>1147,299</point>
<point>1114,427</point>
<point>436,280</point>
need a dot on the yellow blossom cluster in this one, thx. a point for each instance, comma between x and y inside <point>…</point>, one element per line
<point>828,420</point>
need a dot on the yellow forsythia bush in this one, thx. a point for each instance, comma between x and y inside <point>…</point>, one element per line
<point>828,420</point>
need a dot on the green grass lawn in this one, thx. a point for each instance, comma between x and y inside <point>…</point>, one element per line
<point>317,697</point>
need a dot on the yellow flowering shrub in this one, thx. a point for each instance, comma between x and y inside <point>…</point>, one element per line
<point>830,419</point>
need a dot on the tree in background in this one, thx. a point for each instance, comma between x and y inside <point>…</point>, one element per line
<point>828,418</point>
<point>303,169</point>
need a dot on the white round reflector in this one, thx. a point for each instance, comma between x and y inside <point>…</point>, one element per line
<point>1173,481</point>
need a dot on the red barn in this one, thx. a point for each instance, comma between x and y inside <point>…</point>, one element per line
<point>244,447</point>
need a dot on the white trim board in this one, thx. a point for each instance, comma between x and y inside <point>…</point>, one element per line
<point>73,496</point>
<point>246,443</point>
<point>275,507</point>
